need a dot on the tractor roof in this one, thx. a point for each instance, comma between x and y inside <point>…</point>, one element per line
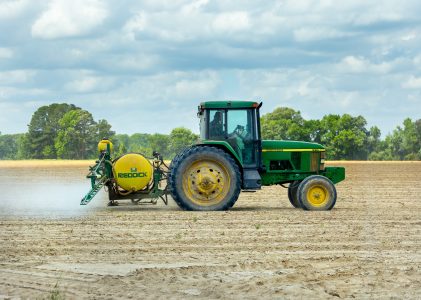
<point>228,104</point>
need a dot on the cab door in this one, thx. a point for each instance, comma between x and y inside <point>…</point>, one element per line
<point>242,135</point>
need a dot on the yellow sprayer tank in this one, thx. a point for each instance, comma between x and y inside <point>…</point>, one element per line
<point>132,172</point>
<point>102,145</point>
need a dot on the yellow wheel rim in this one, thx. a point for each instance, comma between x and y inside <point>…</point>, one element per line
<point>317,195</point>
<point>206,182</point>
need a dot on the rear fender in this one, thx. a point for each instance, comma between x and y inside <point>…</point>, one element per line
<point>226,147</point>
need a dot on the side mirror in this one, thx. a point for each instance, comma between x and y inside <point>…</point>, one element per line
<point>199,110</point>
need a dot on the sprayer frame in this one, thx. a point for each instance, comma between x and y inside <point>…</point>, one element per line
<point>101,174</point>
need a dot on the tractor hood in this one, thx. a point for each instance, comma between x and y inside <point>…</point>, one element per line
<point>287,145</point>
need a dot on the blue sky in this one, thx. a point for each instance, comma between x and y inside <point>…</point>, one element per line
<point>145,65</point>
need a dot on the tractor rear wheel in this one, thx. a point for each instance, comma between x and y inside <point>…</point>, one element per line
<point>292,194</point>
<point>204,178</point>
<point>317,192</point>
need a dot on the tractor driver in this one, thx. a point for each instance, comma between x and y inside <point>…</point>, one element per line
<point>216,126</point>
<point>240,132</point>
<point>237,139</point>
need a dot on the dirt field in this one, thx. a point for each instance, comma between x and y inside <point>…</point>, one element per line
<point>368,246</point>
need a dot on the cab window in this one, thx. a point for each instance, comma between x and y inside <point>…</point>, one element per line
<point>241,134</point>
<point>217,124</point>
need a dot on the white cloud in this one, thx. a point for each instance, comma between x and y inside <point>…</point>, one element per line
<point>172,27</point>
<point>318,56</point>
<point>417,60</point>
<point>412,83</point>
<point>355,64</point>
<point>196,88</point>
<point>377,16</point>
<point>87,83</point>
<point>82,85</point>
<point>27,93</point>
<point>232,22</point>
<point>139,62</point>
<point>16,76</point>
<point>5,53</point>
<point>135,24</point>
<point>69,18</point>
<point>12,8</point>
<point>194,6</point>
<point>163,5</point>
<point>309,34</point>
<point>409,36</point>
<point>156,99</point>
<point>359,64</point>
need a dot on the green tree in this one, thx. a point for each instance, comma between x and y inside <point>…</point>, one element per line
<point>10,145</point>
<point>43,129</point>
<point>104,130</point>
<point>120,142</point>
<point>139,142</point>
<point>181,138</point>
<point>373,140</point>
<point>377,148</point>
<point>410,142</point>
<point>313,129</point>
<point>120,149</point>
<point>66,131</point>
<point>345,137</point>
<point>284,124</point>
<point>418,130</point>
<point>403,143</point>
<point>77,136</point>
<point>394,141</point>
<point>160,143</point>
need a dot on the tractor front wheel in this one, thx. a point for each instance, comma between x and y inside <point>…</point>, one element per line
<point>204,178</point>
<point>316,193</point>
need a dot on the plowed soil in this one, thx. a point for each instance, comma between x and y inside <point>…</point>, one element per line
<point>368,246</point>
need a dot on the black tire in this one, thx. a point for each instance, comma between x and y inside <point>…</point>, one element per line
<point>292,194</point>
<point>177,157</point>
<point>317,192</point>
<point>197,178</point>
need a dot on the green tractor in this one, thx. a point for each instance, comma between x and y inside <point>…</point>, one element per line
<point>229,157</point>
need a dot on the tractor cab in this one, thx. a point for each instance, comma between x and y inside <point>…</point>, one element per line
<point>236,127</point>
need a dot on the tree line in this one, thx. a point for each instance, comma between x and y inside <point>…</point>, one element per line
<point>344,136</point>
<point>56,131</point>
<point>65,131</point>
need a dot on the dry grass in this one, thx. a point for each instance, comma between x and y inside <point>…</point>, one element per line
<point>371,162</point>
